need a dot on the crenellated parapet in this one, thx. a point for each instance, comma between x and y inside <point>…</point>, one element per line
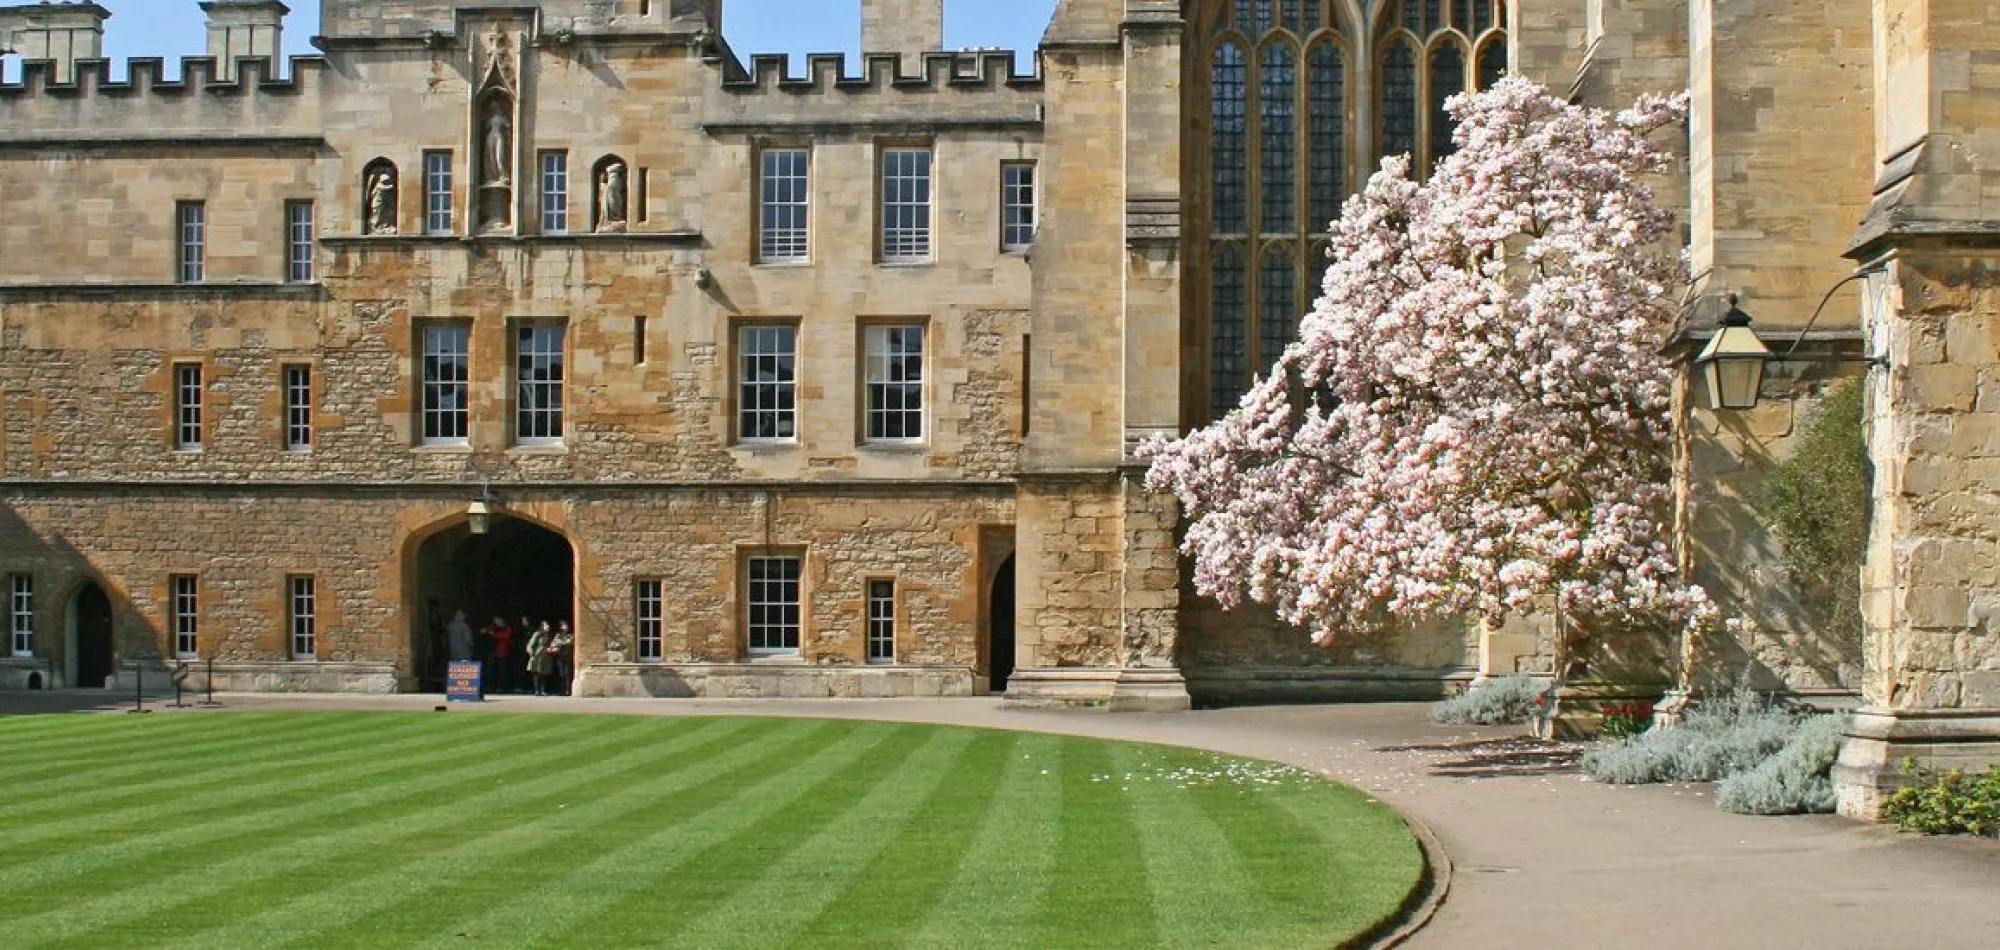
<point>146,104</point>
<point>952,91</point>
<point>884,72</point>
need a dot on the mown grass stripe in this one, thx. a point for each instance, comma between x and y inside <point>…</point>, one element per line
<point>688,823</point>
<point>147,897</point>
<point>92,767</point>
<point>98,733</point>
<point>198,792</point>
<point>668,905</point>
<point>1099,844</point>
<point>123,860</point>
<point>1197,885</point>
<point>438,865</point>
<point>173,775</point>
<point>884,903</point>
<point>771,909</point>
<point>1309,862</point>
<point>996,895</point>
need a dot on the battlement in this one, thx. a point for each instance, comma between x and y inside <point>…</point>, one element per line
<point>146,102</point>
<point>147,74</point>
<point>883,72</point>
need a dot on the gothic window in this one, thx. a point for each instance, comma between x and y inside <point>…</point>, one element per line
<point>1277,86</point>
<point>1447,79</point>
<point>1276,167</point>
<point>1412,88</point>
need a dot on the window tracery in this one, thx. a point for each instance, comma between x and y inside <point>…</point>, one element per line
<point>1294,105</point>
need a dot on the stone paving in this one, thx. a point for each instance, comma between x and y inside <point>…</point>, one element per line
<point>1542,857</point>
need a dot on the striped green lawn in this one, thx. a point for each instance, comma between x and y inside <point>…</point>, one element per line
<point>372,829</point>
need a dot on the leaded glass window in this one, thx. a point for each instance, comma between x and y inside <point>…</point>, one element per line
<point>1446,80</point>
<point>1492,62</point>
<point>1412,87</point>
<point>1278,310</point>
<point>1398,82</point>
<point>1276,108</point>
<point>1326,153</point>
<point>1228,330</point>
<point>1230,156</point>
<point>1281,156</point>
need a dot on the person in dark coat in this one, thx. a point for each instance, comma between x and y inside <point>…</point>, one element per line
<point>541,662</point>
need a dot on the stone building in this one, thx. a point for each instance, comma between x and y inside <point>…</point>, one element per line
<point>826,378</point>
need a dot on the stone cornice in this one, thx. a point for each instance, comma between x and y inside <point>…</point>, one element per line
<point>208,143</point>
<point>467,490</point>
<point>881,126</point>
<point>139,291</point>
<point>680,237</point>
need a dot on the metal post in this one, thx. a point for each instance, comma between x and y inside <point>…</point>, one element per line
<point>138,690</point>
<point>210,701</point>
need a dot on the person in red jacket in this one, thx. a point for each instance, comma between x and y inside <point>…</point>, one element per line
<point>500,669</point>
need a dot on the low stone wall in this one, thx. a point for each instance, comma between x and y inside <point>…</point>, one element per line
<point>29,673</point>
<point>1216,686</point>
<point>771,681</point>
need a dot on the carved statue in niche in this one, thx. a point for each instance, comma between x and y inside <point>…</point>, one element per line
<point>499,143</point>
<point>382,202</point>
<point>611,198</point>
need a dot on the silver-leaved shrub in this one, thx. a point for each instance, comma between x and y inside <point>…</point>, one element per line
<point>1505,699</point>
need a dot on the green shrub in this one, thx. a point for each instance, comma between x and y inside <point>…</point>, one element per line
<point>1719,737</point>
<point>1504,700</point>
<point>1816,502</point>
<point>1797,780</point>
<point>1949,804</point>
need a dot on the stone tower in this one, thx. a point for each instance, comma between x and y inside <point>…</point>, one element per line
<point>908,28</point>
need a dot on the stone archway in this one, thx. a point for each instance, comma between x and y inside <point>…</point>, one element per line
<point>517,569</point>
<point>1000,626</point>
<point>90,657</point>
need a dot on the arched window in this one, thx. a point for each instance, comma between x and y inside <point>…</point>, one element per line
<point>1412,90</point>
<point>1276,168</point>
<point>1276,87</point>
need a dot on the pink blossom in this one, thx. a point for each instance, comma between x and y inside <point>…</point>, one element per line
<point>1475,419</point>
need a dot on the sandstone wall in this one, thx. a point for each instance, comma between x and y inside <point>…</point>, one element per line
<point>360,548</point>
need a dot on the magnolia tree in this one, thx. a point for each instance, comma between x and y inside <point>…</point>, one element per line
<point>1476,417</point>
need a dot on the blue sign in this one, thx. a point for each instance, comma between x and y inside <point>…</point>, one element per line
<point>464,682</point>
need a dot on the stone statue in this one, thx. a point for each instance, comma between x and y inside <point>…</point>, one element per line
<point>611,198</point>
<point>382,203</point>
<point>499,145</point>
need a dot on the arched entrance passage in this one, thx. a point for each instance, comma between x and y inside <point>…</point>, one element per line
<point>517,569</point>
<point>90,650</point>
<point>1000,626</point>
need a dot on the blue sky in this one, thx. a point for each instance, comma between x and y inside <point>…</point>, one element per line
<point>173,28</point>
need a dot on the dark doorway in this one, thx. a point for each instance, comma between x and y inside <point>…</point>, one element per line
<point>92,615</point>
<point>1000,625</point>
<point>517,569</point>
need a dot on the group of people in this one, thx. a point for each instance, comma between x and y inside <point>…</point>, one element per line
<point>546,661</point>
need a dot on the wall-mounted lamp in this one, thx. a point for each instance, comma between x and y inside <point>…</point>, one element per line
<point>1733,362</point>
<point>704,279</point>
<point>479,514</point>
